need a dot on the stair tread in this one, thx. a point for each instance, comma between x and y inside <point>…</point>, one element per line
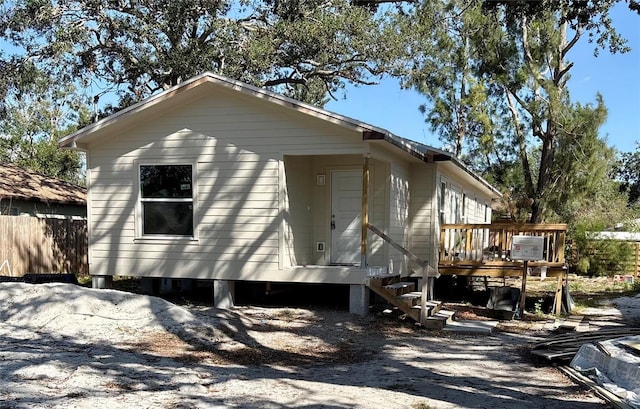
<point>408,296</point>
<point>445,314</point>
<point>418,293</point>
<point>383,276</point>
<point>401,284</point>
<point>429,304</point>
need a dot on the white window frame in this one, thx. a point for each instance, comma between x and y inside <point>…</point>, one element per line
<point>463,210</point>
<point>444,186</point>
<point>139,214</point>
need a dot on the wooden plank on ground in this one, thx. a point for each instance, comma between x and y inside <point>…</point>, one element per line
<point>564,347</point>
<point>605,394</point>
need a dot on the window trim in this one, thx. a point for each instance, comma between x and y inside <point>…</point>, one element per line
<point>463,210</point>
<point>139,213</point>
<point>443,201</point>
<point>487,217</point>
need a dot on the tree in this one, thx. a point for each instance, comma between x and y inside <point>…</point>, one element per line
<point>35,120</point>
<point>519,51</point>
<point>442,70</point>
<point>627,171</point>
<point>531,70</point>
<point>138,47</point>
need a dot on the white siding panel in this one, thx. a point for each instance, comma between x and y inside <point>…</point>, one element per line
<point>298,234</point>
<point>203,252</point>
<point>184,268</point>
<point>424,236</point>
<point>399,214</point>
<point>378,182</point>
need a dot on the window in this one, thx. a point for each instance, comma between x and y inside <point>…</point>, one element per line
<point>166,200</point>
<point>9,210</point>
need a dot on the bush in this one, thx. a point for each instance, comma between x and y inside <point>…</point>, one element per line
<point>601,257</point>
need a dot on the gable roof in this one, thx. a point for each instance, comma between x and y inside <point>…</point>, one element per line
<point>370,132</point>
<point>21,184</point>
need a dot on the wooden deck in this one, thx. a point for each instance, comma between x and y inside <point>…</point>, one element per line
<point>485,249</point>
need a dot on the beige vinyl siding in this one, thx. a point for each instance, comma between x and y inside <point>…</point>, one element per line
<point>378,199</point>
<point>236,144</point>
<point>298,235</point>
<point>399,214</point>
<point>423,204</point>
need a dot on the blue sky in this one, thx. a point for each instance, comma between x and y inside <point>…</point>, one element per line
<point>614,76</point>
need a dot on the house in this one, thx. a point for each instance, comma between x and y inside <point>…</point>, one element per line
<point>27,193</point>
<point>218,180</point>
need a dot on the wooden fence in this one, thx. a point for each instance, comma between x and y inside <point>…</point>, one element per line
<point>631,266</point>
<point>637,266</point>
<point>34,245</point>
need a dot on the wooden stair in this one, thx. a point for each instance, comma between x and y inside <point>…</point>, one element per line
<point>403,295</point>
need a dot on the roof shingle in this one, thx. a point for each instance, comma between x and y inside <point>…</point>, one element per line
<point>23,184</point>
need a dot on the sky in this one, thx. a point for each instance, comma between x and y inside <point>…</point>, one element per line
<point>615,77</point>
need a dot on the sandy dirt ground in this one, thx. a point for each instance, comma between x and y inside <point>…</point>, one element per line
<point>65,346</point>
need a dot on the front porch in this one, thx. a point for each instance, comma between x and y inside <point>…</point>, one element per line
<point>328,203</point>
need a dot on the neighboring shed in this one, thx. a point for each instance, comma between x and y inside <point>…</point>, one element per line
<point>219,180</point>
<point>27,193</point>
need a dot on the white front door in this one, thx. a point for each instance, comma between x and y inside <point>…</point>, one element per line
<point>346,207</point>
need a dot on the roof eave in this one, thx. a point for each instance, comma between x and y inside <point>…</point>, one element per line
<point>432,155</point>
<point>73,140</point>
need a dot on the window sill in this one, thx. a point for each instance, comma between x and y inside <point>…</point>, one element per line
<point>165,239</point>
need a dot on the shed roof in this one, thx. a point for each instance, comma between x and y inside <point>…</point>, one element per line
<point>22,184</point>
<point>370,132</point>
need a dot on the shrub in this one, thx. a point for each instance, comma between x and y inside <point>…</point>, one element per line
<point>600,257</point>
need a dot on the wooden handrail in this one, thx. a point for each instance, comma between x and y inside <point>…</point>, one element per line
<point>428,272</point>
<point>413,257</point>
<point>522,227</point>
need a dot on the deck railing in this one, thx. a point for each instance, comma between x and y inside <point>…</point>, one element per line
<point>485,249</point>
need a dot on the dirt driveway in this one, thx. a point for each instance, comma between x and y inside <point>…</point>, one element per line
<point>73,347</point>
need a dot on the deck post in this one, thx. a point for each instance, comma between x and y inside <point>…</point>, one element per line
<point>558,296</point>
<point>523,291</point>
<point>365,212</point>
